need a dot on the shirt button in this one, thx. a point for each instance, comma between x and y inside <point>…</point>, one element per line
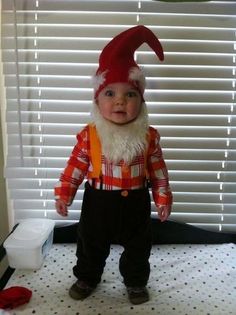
<point>124,193</point>
<point>125,168</point>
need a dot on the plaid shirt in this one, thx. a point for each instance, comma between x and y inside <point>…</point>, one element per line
<point>116,176</point>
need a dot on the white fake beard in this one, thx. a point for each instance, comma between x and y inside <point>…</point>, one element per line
<point>122,142</point>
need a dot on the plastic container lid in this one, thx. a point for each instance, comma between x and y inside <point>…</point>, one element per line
<point>30,233</point>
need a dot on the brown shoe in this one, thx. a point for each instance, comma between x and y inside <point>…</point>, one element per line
<point>138,295</point>
<point>80,290</point>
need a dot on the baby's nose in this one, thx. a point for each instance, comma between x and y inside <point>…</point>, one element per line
<point>120,99</point>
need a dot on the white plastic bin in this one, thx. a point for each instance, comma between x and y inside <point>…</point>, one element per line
<point>29,243</point>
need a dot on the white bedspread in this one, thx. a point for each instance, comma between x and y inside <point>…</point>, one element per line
<point>185,280</point>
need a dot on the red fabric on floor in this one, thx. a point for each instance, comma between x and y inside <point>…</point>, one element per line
<point>14,296</point>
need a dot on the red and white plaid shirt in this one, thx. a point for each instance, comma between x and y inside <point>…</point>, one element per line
<point>116,176</point>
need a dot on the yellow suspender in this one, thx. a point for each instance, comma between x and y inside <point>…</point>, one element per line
<point>96,154</point>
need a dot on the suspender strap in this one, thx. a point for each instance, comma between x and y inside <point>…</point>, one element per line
<point>95,152</point>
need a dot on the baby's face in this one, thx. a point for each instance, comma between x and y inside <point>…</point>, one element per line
<point>119,103</point>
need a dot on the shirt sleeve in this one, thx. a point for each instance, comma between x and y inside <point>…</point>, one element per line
<point>158,173</point>
<point>75,170</point>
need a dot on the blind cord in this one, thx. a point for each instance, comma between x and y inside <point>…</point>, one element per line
<point>18,87</point>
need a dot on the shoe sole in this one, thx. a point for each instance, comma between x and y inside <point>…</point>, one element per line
<point>138,298</point>
<point>76,295</point>
<point>137,301</point>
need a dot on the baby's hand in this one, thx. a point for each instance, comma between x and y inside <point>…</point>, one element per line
<point>164,212</point>
<point>61,208</point>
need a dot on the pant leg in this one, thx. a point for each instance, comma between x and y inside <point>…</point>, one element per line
<point>93,244</point>
<point>136,238</point>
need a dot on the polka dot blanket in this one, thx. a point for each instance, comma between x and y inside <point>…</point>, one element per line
<point>185,280</point>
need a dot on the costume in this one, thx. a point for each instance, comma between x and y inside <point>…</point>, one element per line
<point>116,208</point>
<point>116,204</point>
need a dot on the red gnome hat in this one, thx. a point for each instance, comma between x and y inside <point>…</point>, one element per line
<point>116,62</point>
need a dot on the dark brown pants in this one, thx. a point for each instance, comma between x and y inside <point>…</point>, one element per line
<point>108,217</point>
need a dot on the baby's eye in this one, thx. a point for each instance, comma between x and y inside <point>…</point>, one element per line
<point>132,94</point>
<point>109,93</point>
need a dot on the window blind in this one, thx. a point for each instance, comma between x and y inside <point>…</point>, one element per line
<point>51,49</point>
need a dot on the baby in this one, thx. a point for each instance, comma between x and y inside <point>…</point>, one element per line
<point>121,157</point>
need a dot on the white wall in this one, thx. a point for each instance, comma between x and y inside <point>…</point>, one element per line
<point>4,221</point>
